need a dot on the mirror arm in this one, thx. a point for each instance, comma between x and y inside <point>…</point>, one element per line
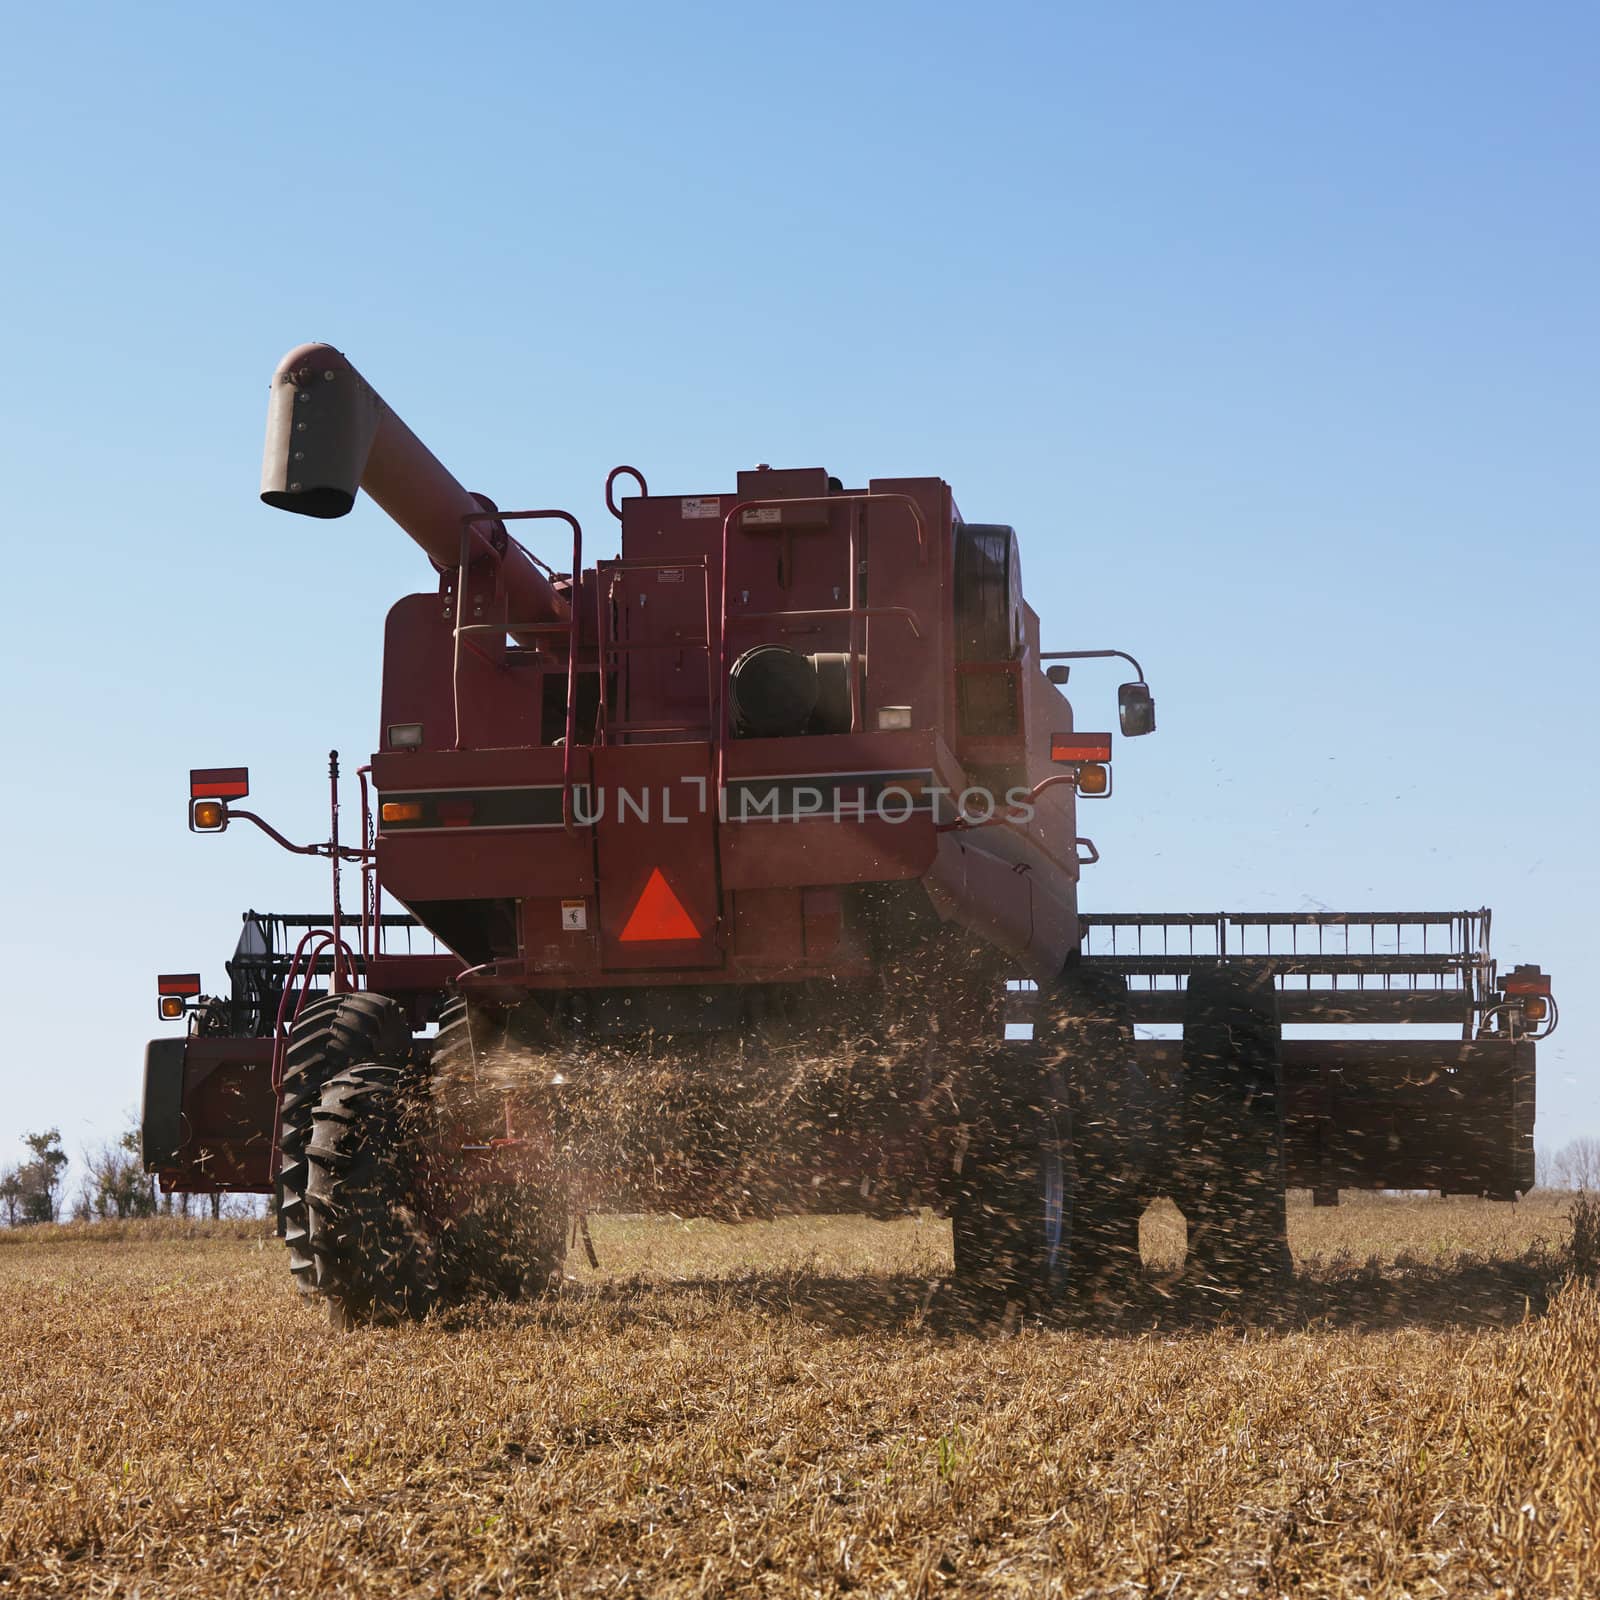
<point>1093,655</point>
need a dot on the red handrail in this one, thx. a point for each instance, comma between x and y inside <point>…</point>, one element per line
<point>572,627</point>
<point>344,968</point>
<point>611,478</point>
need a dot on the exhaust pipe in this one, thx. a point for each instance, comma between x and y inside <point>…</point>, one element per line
<point>330,433</point>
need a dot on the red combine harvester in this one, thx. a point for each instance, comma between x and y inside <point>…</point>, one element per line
<point>753,851</point>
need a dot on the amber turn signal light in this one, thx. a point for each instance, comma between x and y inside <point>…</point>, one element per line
<point>1094,779</point>
<point>171,1007</point>
<point>402,811</point>
<point>208,816</point>
<point>1536,1008</point>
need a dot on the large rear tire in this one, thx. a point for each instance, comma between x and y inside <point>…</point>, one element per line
<point>510,1239</point>
<point>375,1254</point>
<point>1012,1216</point>
<point>1085,1018</point>
<point>511,1245</point>
<point>340,1031</point>
<point>1234,1197</point>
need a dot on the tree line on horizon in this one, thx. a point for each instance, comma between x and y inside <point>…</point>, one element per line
<point>113,1185</point>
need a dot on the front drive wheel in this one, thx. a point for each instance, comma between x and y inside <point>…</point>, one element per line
<point>508,1237</point>
<point>510,1244</point>
<point>1233,1196</point>
<point>1012,1217</point>
<point>332,1034</point>
<point>1085,1026</point>
<point>376,1260</point>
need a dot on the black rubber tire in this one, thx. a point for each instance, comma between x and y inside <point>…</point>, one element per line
<point>507,1246</point>
<point>509,1243</point>
<point>376,1258</point>
<point>1233,1194</point>
<point>336,1032</point>
<point>1085,1020</point>
<point>1012,1213</point>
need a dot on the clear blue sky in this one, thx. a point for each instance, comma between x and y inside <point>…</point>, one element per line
<point>1272,328</point>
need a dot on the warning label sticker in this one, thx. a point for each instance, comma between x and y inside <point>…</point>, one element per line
<point>574,915</point>
<point>670,575</point>
<point>702,506</point>
<point>763,515</point>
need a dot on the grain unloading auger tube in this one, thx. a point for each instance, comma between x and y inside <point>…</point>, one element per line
<point>329,433</point>
<point>737,846</point>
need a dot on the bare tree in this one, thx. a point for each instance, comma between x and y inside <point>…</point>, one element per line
<point>40,1178</point>
<point>1544,1168</point>
<point>115,1183</point>
<point>1576,1165</point>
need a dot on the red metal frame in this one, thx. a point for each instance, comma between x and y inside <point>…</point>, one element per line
<point>571,628</point>
<point>607,573</point>
<point>303,966</point>
<point>853,612</point>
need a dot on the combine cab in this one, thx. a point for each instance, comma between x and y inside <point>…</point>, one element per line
<point>756,851</point>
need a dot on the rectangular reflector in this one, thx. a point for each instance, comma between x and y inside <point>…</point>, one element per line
<point>1080,746</point>
<point>219,783</point>
<point>186,983</point>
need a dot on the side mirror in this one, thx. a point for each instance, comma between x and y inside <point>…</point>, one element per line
<point>1136,710</point>
<point>1058,673</point>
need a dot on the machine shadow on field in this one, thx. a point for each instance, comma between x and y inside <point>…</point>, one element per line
<point>1372,1296</point>
<point>1373,1266</point>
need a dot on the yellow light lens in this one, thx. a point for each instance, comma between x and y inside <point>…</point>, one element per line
<point>402,811</point>
<point>1536,1008</point>
<point>1093,779</point>
<point>210,815</point>
<point>171,1007</point>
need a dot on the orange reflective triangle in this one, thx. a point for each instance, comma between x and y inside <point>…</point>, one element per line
<point>658,915</point>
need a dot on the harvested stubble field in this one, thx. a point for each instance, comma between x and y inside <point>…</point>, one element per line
<point>773,1410</point>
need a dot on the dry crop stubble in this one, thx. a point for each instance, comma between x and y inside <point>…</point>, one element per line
<point>770,1409</point>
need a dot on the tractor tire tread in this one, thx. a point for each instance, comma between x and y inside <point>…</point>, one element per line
<point>370,1264</point>
<point>330,1034</point>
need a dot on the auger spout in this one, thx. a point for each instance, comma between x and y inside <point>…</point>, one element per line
<point>329,433</point>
